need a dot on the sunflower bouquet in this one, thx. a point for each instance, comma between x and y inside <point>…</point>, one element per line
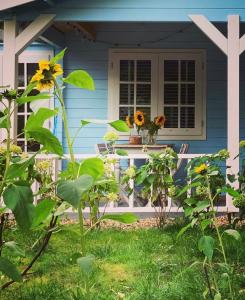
<point>137,121</point>
<point>152,126</point>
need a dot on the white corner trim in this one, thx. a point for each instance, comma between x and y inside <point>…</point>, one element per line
<point>211,31</point>
<point>32,31</point>
<point>13,3</point>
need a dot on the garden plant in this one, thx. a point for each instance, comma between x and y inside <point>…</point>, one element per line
<point>19,171</point>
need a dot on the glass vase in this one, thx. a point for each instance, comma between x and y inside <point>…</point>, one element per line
<point>152,139</point>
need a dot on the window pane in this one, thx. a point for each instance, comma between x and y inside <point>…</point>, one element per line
<point>21,78</point>
<point>126,93</point>
<point>20,125</point>
<point>187,117</point>
<point>171,70</point>
<point>188,70</point>
<point>125,111</point>
<point>31,70</point>
<point>29,110</point>
<point>32,146</point>
<point>187,94</point>
<point>143,70</point>
<point>171,94</point>
<point>21,144</point>
<point>21,108</point>
<point>171,114</point>
<point>143,94</point>
<point>126,70</point>
<point>145,110</point>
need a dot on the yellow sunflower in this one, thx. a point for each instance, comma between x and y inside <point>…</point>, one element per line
<point>201,169</point>
<point>44,65</point>
<point>57,69</point>
<point>139,118</point>
<point>160,120</point>
<point>128,121</point>
<point>46,75</point>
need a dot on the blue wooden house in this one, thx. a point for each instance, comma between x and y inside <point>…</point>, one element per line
<point>180,58</point>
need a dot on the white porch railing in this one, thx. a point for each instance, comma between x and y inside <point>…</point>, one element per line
<point>128,204</point>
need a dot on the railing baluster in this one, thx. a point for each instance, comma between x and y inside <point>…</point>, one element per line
<point>131,185</point>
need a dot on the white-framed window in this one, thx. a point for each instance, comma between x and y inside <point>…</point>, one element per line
<point>27,66</point>
<point>168,82</point>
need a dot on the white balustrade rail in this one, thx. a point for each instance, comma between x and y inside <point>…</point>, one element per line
<point>130,204</point>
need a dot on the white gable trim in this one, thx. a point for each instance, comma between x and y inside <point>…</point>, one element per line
<point>13,3</point>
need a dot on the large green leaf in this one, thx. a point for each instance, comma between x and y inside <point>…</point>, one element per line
<point>19,199</point>
<point>37,119</point>
<point>15,248</point>
<point>92,166</point>
<point>9,269</point>
<point>27,99</point>
<point>17,169</point>
<point>233,233</point>
<point>206,245</point>
<point>42,211</point>
<point>201,205</point>
<point>80,79</point>
<point>47,139</point>
<point>86,264</point>
<point>29,88</point>
<point>121,152</point>
<point>126,218</point>
<point>71,191</point>
<point>58,56</point>
<point>119,125</point>
<point>3,120</point>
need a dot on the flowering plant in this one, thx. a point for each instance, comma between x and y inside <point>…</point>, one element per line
<point>138,120</point>
<point>154,125</point>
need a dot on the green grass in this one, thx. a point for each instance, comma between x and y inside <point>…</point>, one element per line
<point>139,264</point>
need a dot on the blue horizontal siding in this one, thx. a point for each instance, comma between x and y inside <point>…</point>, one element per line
<point>130,10</point>
<point>93,57</point>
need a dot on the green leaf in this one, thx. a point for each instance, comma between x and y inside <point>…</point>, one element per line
<point>201,205</point>
<point>188,211</point>
<point>206,245</point>
<point>19,199</point>
<point>58,56</point>
<point>71,191</point>
<point>126,218</point>
<point>3,121</point>
<point>233,233</point>
<point>217,296</point>
<point>84,123</point>
<point>92,166</point>
<point>204,223</point>
<point>190,201</point>
<point>17,169</point>
<point>28,89</point>
<point>232,192</point>
<point>80,79</point>
<point>183,230</point>
<point>9,269</point>
<point>15,248</point>
<point>37,119</point>
<point>42,211</point>
<point>47,139</point>
<point>121,152</point>
<point>86,264</point>
<point>27,99</point>
<point>119,125</point>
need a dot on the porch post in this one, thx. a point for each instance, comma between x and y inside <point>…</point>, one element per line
<point>13,45</point>
<point>233,82</point>
<point>232,46</point>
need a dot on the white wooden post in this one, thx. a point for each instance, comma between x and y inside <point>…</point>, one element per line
<point>13,45</point>
<point>233,82</point>
<point>232,46</point>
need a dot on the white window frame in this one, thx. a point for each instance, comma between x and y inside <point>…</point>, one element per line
<point>156,56</point>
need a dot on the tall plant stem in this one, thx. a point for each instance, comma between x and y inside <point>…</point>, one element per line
<point>8,154</point>
<point>72,157</point>
<point>211,198</point>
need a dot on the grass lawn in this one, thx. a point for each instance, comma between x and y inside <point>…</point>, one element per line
<point>137,264</point>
